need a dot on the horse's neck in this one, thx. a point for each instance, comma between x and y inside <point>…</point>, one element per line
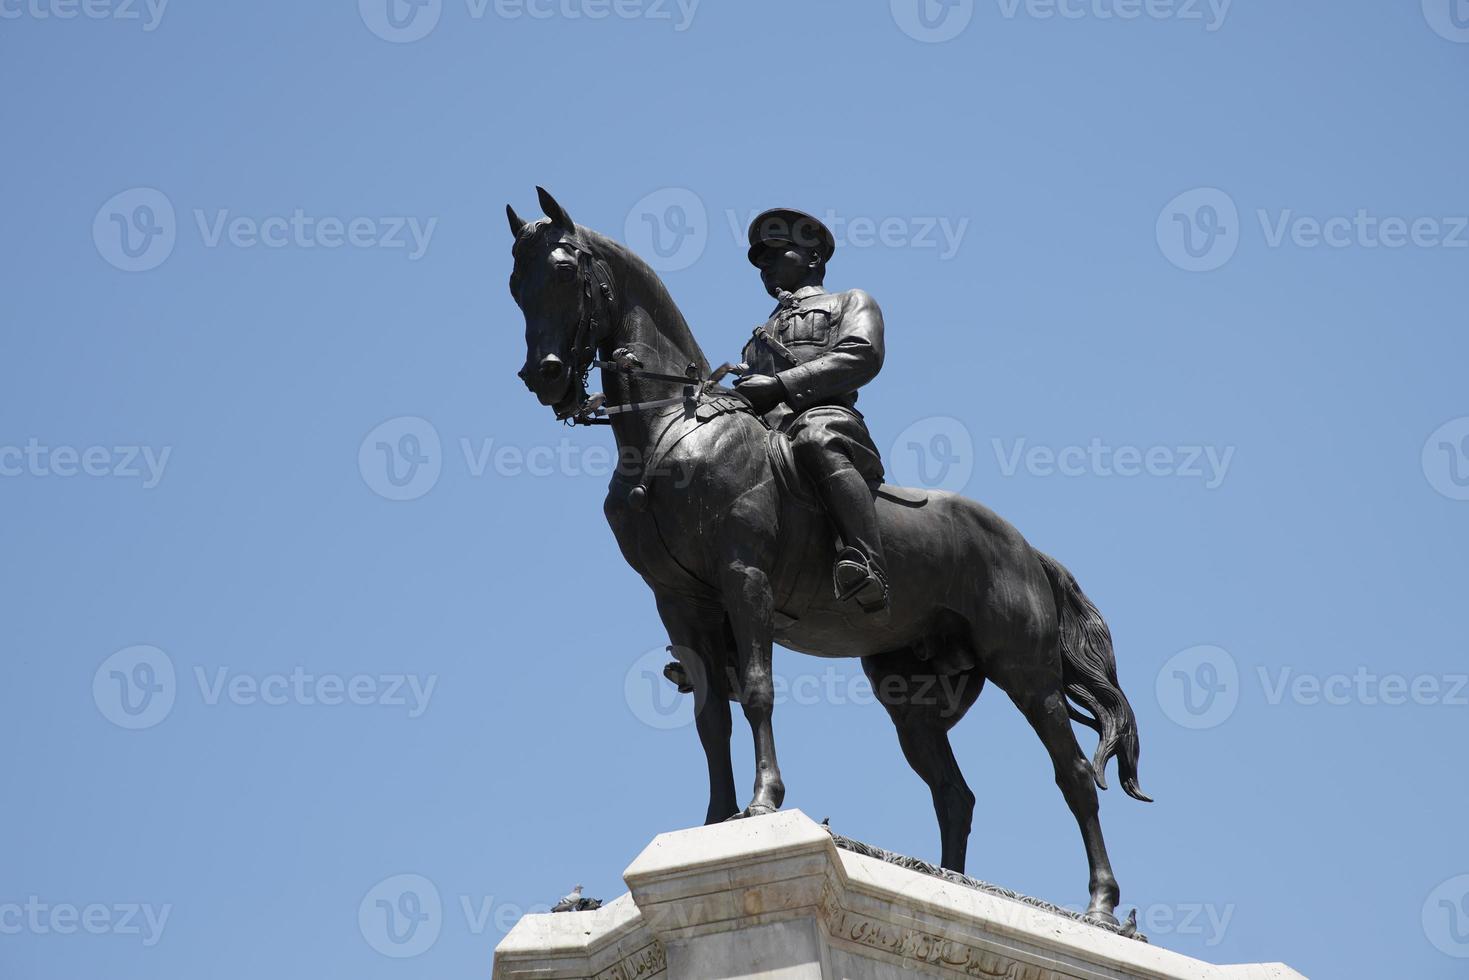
<point>649,323</point>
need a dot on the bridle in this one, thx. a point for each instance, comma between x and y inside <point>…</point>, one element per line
<point>593,320</point>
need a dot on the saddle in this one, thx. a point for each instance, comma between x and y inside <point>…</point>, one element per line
<point>794,485</point>
<point>713,401</point>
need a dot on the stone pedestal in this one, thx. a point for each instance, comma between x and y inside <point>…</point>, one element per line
<point>775,897</point>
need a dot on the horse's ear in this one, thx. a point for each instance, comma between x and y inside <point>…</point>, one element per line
<point>554,211</point>
<point>517,227</point>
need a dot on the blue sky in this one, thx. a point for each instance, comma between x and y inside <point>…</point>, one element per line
<point>310,606</point>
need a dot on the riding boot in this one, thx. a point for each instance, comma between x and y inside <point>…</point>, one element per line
<point>858,573</point>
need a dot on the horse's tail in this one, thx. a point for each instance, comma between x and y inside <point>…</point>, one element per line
<point>1089,674</point>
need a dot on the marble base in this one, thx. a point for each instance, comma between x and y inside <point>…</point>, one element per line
<point>774,897</point>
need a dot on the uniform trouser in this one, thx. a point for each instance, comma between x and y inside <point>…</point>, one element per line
<point>833,448</point>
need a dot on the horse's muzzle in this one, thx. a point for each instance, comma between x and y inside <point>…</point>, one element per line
<point>548,380</point>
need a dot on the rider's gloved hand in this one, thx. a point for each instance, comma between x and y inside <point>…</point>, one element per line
<point>763,391</point>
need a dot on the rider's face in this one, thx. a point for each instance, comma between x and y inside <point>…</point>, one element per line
<point>786,267</point>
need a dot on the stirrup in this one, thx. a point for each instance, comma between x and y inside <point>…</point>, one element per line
<point>865,582</point>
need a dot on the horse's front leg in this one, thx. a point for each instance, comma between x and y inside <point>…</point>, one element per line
<point>700,644</point>
<point>749,601</point>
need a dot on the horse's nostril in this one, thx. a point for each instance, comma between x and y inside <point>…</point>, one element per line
<point>551,367</point>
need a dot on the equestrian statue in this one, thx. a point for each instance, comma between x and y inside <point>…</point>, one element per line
<point>757,515</point>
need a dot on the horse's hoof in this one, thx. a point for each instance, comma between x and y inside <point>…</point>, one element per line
<point>1103,918</point>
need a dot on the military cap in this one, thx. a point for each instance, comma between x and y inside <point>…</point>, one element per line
<point>787,226</point>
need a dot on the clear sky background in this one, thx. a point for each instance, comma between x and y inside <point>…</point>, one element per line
<point>251,675</point>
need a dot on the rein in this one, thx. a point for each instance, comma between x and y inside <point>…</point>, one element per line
<point>596,315</point>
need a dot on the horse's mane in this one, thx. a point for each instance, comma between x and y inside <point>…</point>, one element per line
<point>641,286</point>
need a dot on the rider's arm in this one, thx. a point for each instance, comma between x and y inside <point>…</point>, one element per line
<point>854,361</point>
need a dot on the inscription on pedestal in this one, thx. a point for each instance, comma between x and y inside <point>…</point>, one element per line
<point>649,961</point>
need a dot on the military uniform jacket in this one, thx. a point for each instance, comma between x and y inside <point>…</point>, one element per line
<point>827,345</point>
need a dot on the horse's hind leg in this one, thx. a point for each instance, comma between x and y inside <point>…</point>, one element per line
<point>1038,695</point>
<point>923,707</point>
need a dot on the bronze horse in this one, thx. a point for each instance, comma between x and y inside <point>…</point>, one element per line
<point>705,513</point>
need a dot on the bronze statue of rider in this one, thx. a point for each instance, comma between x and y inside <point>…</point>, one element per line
<point>806,363</point>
